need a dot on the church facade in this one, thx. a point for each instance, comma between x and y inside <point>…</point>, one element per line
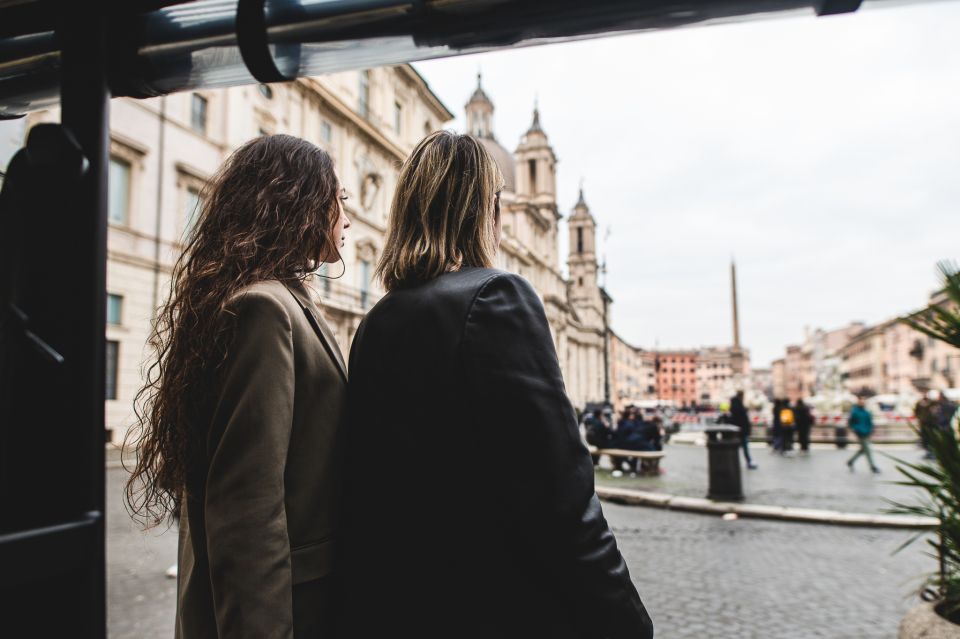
<point>577,307</point>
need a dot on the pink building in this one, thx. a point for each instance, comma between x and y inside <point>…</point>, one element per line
<point>677,376</point>
<point>912,359</point>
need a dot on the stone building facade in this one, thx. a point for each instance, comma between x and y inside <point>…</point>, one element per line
<point>577,307</point>
<point>886,358</point>
<point>721,372</point>
<point>863,361</point>
<point>705,376</point>
<point>677,377</point>
<point>632,372</point>
<point>893,358</point>
<point>164,149</point>
<point>778,378</point>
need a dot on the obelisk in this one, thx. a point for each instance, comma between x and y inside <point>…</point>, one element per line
<point>736,353</point>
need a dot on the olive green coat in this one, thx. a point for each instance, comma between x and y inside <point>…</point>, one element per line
<point>259,526</point>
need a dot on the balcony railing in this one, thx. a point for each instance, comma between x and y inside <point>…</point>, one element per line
<point>342,296</point>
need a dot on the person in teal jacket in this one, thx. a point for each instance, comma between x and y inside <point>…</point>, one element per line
<point>861,423</point>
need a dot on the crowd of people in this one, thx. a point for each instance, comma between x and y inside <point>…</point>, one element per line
<point>790,429</point>
<point>632,431</point>
<point>791,421</point>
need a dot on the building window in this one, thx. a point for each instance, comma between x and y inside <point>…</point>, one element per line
<point>114,309</point>
<point>533,175</point>
<point>113,357</point>
<point>118,198</point>
<point>265,91</point>
<point>326,132</point>
<point>198,113</point>
<point>580,240</point>
<point>364,283</point>
<point>324,273</point>
<point>189,203</point>
<point>427,128</point>
<point>397,116</point>
<point>363,105</point>
<point>191,208</point>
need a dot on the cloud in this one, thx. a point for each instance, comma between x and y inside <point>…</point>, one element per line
<point>822,152</point>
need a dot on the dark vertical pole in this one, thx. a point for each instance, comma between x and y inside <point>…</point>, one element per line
<point>736,316</point>
<point>606,348</point>
<point>85,113</point>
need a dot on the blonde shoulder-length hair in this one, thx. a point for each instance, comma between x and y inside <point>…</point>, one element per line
<point>443,212</point>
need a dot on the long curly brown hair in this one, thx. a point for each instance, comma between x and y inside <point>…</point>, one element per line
<point>268,213</point>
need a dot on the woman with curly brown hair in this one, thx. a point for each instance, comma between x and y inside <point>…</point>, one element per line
<point>240,418</point>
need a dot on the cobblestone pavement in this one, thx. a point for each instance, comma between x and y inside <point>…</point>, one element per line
<point>820,480</point>
<point>702,577</point>
<point>699,576</point>
<point>141,601</point>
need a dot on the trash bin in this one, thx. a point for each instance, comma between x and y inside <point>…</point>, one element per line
<point>723,463</point>
<point>840,435</point>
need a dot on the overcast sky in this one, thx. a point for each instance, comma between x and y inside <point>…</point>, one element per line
<point>823,153</point>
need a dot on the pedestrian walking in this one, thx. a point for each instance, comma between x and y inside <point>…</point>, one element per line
<point>861,423</point>
<point>804,424</point>
<point>516,545</point>
<point>740,418</point>
<point>244,405</point>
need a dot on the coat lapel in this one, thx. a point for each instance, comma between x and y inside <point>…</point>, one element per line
<point>309,306</point>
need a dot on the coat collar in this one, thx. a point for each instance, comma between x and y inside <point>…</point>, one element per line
<point>310,308</point>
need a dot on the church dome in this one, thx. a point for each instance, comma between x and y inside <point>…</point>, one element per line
<point>504,160</point>
<point>480,125</point>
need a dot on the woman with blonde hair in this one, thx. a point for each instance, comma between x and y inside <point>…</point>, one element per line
<point>240,419</point>
<point>470,505</point>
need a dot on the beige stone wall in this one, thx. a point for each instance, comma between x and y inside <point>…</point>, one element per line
<point>778,378</point>
<point>168,158</point>
<point>717,375</point>
<point>862,363</point>
<point>910,357</point>
<point>632,375</point>
<point>134,284</point>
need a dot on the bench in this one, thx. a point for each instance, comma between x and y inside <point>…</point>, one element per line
<point>649,460</point>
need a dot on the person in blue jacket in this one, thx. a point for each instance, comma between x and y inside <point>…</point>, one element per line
<point>861,423</point>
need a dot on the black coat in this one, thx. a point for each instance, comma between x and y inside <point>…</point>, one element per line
<point>470,509</point>
<point>739,416</point>
<point>802,417</point>
<point>598,433</point>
